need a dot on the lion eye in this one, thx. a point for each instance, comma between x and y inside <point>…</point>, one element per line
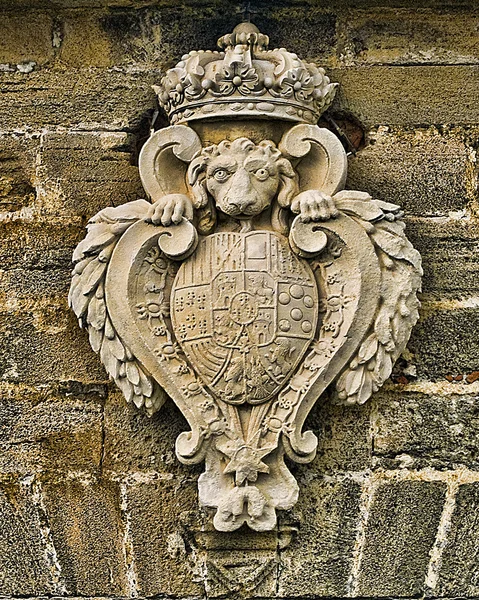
<point>262,174</point>
<point>221,175</point>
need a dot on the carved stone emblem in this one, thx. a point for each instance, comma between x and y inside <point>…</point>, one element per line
<point>251,280</point>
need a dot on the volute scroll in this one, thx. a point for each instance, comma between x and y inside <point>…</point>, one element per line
<point>325,166</point>
<point>250,281</point>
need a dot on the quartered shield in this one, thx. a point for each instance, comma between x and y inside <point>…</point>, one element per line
<point>243,312</point>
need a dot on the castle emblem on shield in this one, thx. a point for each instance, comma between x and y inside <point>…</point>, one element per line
<point>249,281</point>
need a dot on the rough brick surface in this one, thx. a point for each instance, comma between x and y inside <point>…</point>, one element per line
<point>36,257</point>
<point>164,562</point>
<point>408,36</point>
<point>344,435</point>
<point>460,562</point>
<point>445,342</point>
<point>87,531</point>
<point>48,429</point>
<point>423,430</point>
<point>17,171</point>
<point>87,98</point>
<point>319,561</point>
<point>81,173</point>
<point>385,95</point>
<point>42,343</point>
<point>137,443</point>
<point>450,254</point>
<point>24,566</point>
<point>424,171</point>
<point>401,530</point>
<point>26,38</point>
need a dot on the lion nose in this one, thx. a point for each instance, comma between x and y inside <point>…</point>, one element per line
<point>240,191</point>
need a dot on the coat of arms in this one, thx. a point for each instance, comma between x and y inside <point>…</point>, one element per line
<point>250,281</point>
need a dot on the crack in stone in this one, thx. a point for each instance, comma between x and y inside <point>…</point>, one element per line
<point>365,502</point>
<point>51,555</point>
<point>127,546</point>
<point>435,564</point>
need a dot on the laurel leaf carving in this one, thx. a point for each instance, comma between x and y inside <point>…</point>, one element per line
<point>86,298</point>
<point>398,307</point>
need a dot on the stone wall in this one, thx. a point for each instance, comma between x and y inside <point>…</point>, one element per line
<point>93,502</point>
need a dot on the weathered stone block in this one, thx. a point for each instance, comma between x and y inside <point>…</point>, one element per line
<point>81,173</point>
<point>344,438</point>
<point>445,342</point>
<point>137,443</point>
<point>83,41</point>
<point>25,38</point>
<point>163,558</point>
<point>408,36</point>
<point>423,170</point>
<point>42,343</point>
<point>450,255</point>
<point>318,563</point>
<point>87,533</point>
<point>17,171</point>
<point>24,566</point>
<point>36,257</point>
<point>400,532</point>
<point>459,573</point>
<point>86,99</point>
<point>309,31</point>
<point>21,283</point>
<point>420,430</point>
<point>39,244</point>
<point>160,36</point>
<point>50,429</point>
<point>380,95</point>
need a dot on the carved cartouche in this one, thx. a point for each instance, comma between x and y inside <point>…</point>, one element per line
<point>250,281</point>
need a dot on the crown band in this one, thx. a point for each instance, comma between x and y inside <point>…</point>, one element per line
<point>258,108</point>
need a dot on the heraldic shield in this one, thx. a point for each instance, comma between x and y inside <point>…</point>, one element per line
<point>250,281</point>
<point>244,311</point>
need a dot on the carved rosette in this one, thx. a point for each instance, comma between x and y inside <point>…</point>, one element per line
<point>249,284</point>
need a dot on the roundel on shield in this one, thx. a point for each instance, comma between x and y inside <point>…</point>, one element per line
<point>244,311</point>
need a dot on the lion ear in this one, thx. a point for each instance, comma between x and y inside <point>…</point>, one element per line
<point>197,182</point>
<point>289,183</point>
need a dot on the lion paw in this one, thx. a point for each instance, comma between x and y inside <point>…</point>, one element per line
<point>313,205</point>
<point>170,210</point>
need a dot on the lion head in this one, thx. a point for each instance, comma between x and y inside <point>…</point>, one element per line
<point>242,178</point>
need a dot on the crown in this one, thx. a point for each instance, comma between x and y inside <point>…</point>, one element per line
<point>246,79</point>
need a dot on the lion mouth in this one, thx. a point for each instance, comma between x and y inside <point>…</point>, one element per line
<point>238,208</point>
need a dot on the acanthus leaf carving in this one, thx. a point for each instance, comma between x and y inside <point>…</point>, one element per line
<point>251,282</point>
